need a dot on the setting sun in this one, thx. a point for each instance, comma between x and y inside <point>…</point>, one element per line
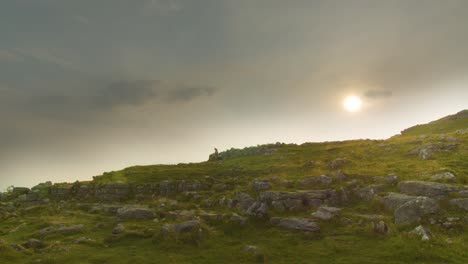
<point>352,103</point>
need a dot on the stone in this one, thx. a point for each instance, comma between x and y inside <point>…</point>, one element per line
<point>429,189</point>
<point>112,192</point>
<point>326,213</point>
<point>463,193</point>
<point>337,163</point>
<point>219,187</point>
<point>368,192</point>
<point>238,219</point>
<point>394,200</point>
<point>34,244</point>
<point>261,185</point>
<point>428,150</point>
<point>302,224</point>
<point>339,175</point>
<point>298,201</point>
<point>135,213</point>
<point>444,176</point>
<point>412,211</point>
<point>83,240</point>
<point>424,233</point>
<point>380,228</point>
<point>180,215</point>
<point>249,248</point>
<point>461,203</point>
<point>312,181</point>
<point>181,227</point>
<point>118,229</point>
<point>258,209</point>
<point>61,229</point>
<point>391,179</point>
<point>243,201</point>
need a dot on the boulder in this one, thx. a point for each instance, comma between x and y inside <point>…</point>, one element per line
<point>380,228</point>
<point>391,179</point>
<point>326,212</point>
<point>302,224</point>
<point>238,219</point>
<point>412,211</point>
<point>118,229</point>
<point>243,201</point>
<point>368,192</point>
<point>34,244</point>
<point>428,150</point>
<point>298,201</point>
<point>135,213</point>
<point>181,227</point>
<point>258,209</point>
<point>444,176</point>
<point>461,203</point>
<point>429,189</point>
<point>261,185</point>
<point>394,200</point>
<point>312,181</point>
<point>424,233</point>
<point>112,192</point>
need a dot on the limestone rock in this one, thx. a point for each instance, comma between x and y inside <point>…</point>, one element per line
<point>243,201</point>
<point>424,233</point>
<point>61,229</point>
<point>181,227</point>
<point>34,244</point>
<point>380,228</point>
<point>429,189</point>
<point>368,192</point>
<point>326,213</point>
<point>461,203</point>
<point>261,185</point>
<point>302,224</point>
<point>118,229</point>
<point>428,150</point>
<point>258,209</point>
<point>394,200</point>
<point>238,219</point>
<point>135,213</point>
<point>412,211</point>
<point>444,176</point>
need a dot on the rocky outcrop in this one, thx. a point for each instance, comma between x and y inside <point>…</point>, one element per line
<point>368,192</point>
<point>298,201</point>
<point>135,213</point>
<point>422,232</point>
<point>394,200</point>
<point>61,229</point>
<point>112,192</point>
<point>181,227</point>
<point>326,212</point>
<point>429,189</point>
<point>428,150</point>
<point>461,203</point>
<point>412,211</point>
<point>242,201</point>
<point>444,176</point>
<point>261,185</point>
<point>302,224</point>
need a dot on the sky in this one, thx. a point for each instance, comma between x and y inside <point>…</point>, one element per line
<point>92,86</point>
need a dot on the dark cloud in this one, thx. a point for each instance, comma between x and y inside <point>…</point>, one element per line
<point>187,93</point>
<point>127,93</point>
<point>373,94</point>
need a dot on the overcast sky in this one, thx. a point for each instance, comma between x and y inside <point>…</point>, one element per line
<point>91,86</point>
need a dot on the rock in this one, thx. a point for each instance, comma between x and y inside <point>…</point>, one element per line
<point>105,208</point>
<point>250,248</point>
<point>61,229</point>
<point>461,203</point>
<point>258,209</point>
<point>339,175</point>
<point>82,240</point>
<point>298,201</point>
<point>429,189</point>
<point>312,181</point>
<point>394,200</point>
<point>428,150</point>
<point>412,211</point>
<point>118,229</point>
<point>391,179</point>
<point>135,213</point>
<point>17,247</point>
<point>337,163</point>
<point>444,176</point>
<point>463,193</point>
<point>180,215</point>
<point>302,224</point>
<point>112,192</point>
<point>212,217</point>
<point>238,219</point>
<point>368,192</point>
<point>424,233</point>
<point>243,201</point>
<point>380,228</point>
<point>219,187</point>
<point>181,227</point>
<point>34,244</point>
<point>261,185</point>
<point>326,213</point>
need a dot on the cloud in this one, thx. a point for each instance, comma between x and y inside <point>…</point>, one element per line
<point>374,94</point>
<point>8,56</point>
<point>187,93</point>
<point>126,92</point>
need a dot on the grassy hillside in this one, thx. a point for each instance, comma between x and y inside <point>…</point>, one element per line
<point>351,238</point>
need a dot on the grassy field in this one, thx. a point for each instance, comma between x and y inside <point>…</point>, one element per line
<point>224,242</point>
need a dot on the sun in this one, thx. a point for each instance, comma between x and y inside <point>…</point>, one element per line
<point>352,103</point>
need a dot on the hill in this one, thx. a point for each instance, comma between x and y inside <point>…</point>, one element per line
<point>400,200</point>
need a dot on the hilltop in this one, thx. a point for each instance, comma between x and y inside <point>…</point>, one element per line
<point>399,200</point>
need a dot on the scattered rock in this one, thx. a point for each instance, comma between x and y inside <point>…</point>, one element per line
<point>394,200</point>
<point>118,229</point>
<point>17,247</point>
<point>181,227</point>
<point>461,203</point>
<point>380,228</point>
<point>391,179</point>
<point>34,244</point>
<point>312,181</point>
<point>258,209</point>
<point>412,211</point>
<point>326,213</point>
<point>82,240</point>
<point>180,215</point>
<point>337,163</point>
<point>135,213</point>
<point>444,176</point>
<point>302,224</point>
<point>429,189</point>
<point>250,248</point>
<point>427,151</point>
<point>368,192</point>
<point>261,185</point>
<point>243,201</point>
<point>424,233</point>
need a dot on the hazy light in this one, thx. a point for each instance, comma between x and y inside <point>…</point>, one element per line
<point>352,103</point>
